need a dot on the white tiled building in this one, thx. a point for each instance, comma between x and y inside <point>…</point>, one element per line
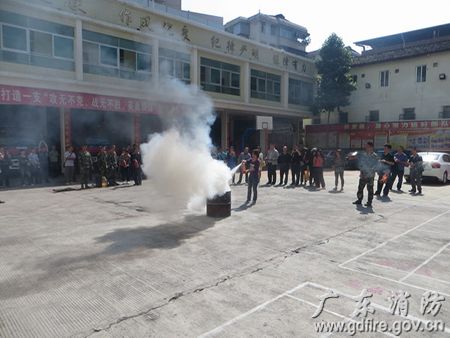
<point>402,93</point>
<point>72,71</point>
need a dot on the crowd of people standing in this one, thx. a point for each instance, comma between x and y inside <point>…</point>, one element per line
<point>306,167</point>
<point>36,166</point>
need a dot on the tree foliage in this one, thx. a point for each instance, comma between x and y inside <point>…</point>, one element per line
<point>334,82</point>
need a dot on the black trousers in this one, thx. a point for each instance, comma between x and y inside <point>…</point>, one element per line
<point>271,173</point>
<point>284,173</point>
<point>363,182</point>
<point>252,187</point>
<point>4,177</point>
<point>399,174</point>
<point>318,177</point>
<point>387,185</point>
<point>295,170</point>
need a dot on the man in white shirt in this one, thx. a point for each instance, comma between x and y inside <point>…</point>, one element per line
<point>69,164</point>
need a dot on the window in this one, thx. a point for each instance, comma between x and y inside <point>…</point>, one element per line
<point>36,42</point>
<point>421,73</point>
<point>265,86</point>
<point>408,114</point>
<point>14,38</point>
<point>112,56</point>
<point>446,158</point>
<point>220,77</point>
<point>374,116</point>
<point>287,33</point>
<point>384,78</point>
<point>127,59</point>
<point>175,64</point>
<point>263,27</point>
<point>355,78</point>
<point>63,47</point>
<point>445,114</point>
<point>108,56</point>
<point>90,53</point>
<point>273,29</point>
<point>41,43</point>
<point>144,62</point>
<point>300,92</point>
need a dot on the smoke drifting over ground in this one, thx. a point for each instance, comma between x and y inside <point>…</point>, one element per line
<point>178,160</point>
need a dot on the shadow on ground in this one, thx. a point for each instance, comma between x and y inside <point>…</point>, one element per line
<point>124,244</point>
<point>163,236</point>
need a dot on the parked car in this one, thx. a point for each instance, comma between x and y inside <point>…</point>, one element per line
<point>436,166</point>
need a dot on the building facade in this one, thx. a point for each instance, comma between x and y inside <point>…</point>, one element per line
<point>272,30</point>
<point>402,93</point>
<point>77,72</point>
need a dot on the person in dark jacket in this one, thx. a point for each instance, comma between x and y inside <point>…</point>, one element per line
<point>296,167</point>
<point>5,163</point>
<point>253,179</point>
<point>136,162</point>
<point>309,164</point>
<point>416,169</point>
<point>401,161</point>
<point>385,171</point>
<point>284,161</point>
<point>43,163</point>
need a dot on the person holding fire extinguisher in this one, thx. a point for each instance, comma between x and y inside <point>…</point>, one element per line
<point>385,171</point>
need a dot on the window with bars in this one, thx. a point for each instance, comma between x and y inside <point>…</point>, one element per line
<point>421,72</point>
<point>384,78</point>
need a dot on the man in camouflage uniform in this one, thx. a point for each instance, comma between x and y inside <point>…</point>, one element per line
<point>368,163</point>
<point>102,162</point>
<point>112,166</point>
<point>416,170</point>
<point>85,167</point>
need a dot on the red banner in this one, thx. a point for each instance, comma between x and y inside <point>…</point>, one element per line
<point>64,99</point>
<point>380,126</point>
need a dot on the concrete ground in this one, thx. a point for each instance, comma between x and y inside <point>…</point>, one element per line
<point>128,262</point>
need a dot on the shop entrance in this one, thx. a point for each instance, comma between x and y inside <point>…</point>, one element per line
<point>99,128</point>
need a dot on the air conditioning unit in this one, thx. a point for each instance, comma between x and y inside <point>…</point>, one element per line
<point>442,76</point>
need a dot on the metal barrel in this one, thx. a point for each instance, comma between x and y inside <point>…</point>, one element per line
<point>219,206</point>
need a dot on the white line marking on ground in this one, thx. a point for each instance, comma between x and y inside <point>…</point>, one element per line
<point>437,253</point>
<point>375,305</point>
<point>249,312</point>
<point>417,275</point>
<point>220,328</point>
<point>335,313</point>
<point>393,280</point>
<point>393,238</point>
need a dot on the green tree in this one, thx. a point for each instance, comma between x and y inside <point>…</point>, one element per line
<point>334,82</point>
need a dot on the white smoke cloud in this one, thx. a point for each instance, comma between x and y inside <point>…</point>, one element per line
<point>178,160</point>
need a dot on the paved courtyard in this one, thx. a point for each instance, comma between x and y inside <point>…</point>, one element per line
<point>128,262</point>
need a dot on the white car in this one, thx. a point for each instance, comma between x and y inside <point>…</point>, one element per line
<point>435,165</point>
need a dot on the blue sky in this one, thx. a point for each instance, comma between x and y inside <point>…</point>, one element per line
<point>353,20</point>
